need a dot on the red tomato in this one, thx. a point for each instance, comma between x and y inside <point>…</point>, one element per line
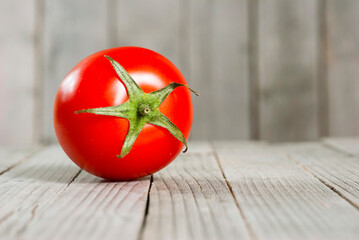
<point>93,141</point>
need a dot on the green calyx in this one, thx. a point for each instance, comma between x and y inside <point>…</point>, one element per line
<point>140,109</point>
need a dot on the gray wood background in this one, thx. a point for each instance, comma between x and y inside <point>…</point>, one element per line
<point>276,70</point>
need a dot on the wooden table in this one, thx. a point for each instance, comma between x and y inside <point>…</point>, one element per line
<point>218,190</point>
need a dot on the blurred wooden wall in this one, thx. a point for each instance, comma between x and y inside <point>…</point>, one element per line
<point>276,70</point>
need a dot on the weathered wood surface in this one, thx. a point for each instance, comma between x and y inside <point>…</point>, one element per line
<point>287,70</point>
<point>49,188</point>
<point>32,186</point>
<point>92,208</point>
<point>266,69</point>
<point>339,171</point>
<point>348,145</point>
<point>10,156</point>
<point>72,30</point>
<point>280,200</point>
<point>222,82</point>
<point>137,25</point>
<point>224,190</point>
<point>198,42</point>
<point>17,30</point>
<point>343,61</point>
<point>191,200</point>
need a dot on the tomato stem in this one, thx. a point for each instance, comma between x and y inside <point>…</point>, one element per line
<point>140,109</point>
<point>144,109</point>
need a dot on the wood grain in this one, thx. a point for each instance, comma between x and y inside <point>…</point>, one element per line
<point>32,186</point>
<point>322,75</point>
<point>287,70</point>
<point>273,69</point>
<point>11,156</point>
<point>16,72</point>
<point>46,190</point>
<point>335,169</point>
<point>348,145</point>
<point>72,31</point>
<point>218,60</point>
<point>189,37</point>
<point>253,67</point>
<point>237,190</point>
<point>93,208</point>
<point>280,200</point>
<point>190,200</point>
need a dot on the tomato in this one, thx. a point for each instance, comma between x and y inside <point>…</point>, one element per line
<point>113,136</point>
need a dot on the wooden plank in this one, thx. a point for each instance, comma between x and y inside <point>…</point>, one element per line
<point>218,58</point>
<point>16,72</point>
<point>200,44</point>
<point>253,72</point>
<point>287,70</point>
<point>32,186</point>
<point>348,145</point>
<point>45,198</point>
<point>72,31</point>
<point>343,73</point>
<point>337,170</point>
<point>189,36</point>
<point>190,200</point>
<point>149,24</point>
<point>93,208</point>
<point>11,156</point>
<point>322,79</point>
<point>280,200</point>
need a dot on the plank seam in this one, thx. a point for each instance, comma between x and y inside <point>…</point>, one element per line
<point>253,60</point>
<point>26,157</point>
<point>322,68</point>
<point>63,191</point>
<point>337,149</point>
<point>248,226</point>
<point>74,178</point>
<point>332,188</point>
<point>143,225</point>
<point>296,185</point>
<point>337,192</point>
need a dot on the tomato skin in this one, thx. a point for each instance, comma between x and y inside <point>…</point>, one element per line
<point>93,141</point>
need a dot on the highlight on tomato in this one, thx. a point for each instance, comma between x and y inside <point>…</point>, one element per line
<point>123,113</point>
